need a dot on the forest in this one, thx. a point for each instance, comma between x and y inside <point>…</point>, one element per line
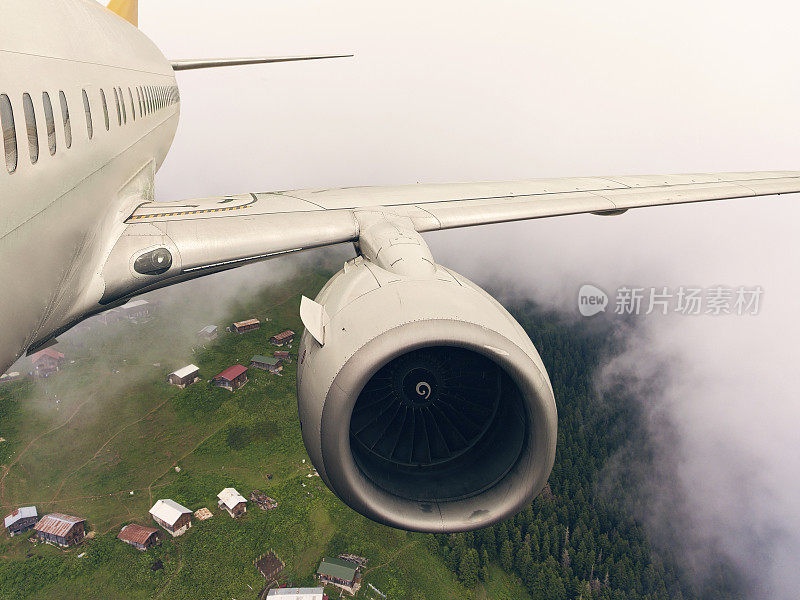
<point>103,438</point>
<point>574,541</point>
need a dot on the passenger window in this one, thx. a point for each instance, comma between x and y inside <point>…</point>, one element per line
<point>49,122</point>
<point>119,111</point>
<point>105,109</point>
<point>133,106</point>
<point>30,125</point>
<point>65,115</point>
<point>9,133</point>
<point>122,103</point>
<point>87,108</point>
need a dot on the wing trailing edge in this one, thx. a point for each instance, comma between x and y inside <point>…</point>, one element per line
<point>208,63</point>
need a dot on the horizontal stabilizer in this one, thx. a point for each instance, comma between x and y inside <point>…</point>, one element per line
<point>207,63</point>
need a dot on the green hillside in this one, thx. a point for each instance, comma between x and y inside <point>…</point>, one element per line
<point>107,437</point>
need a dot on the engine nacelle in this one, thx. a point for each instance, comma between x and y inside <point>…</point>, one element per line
<point>423,403</point>
<point>427,408</point>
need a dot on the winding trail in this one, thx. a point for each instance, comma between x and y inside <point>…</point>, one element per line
<point>102,447</point>
<point>393,556</point>
<point>33,441</point>
<point>177,571</point>
<point>172,466</point>
<point>91,497</point>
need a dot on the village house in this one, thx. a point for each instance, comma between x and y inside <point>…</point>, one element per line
<point>135,310</point>
<point>8,377</point>
<point>209,332</point>
<point>245,326</point>
<point>263,501</point>
<point>296,593</point>
<point>46,362</point>
<point>284,338</point>
<point>60,529</point>
<point>172,516</point>
<point>232,501</point>
<point>231,378</point>
<point>283,356</point>
<point>267,363</point>
<point>21,520</point>
<point>341,573</point>
<point>185,376</point>
<point>139,536</point>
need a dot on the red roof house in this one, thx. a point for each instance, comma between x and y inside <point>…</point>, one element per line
<point>139,536</point>
<point>47,361</point>
<point>231,378</point>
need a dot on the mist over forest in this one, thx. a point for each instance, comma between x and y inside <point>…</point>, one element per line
<point>620,444</point>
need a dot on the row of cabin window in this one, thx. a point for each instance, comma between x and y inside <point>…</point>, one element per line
<point>148,98</point>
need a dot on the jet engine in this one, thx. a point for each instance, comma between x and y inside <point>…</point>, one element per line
<point>423,403</point>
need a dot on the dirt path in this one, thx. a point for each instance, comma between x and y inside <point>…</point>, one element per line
<point>92,497</point>
<point>177,571</point>
<point>106,443</point>
<point>32,442</point>
<point>393,557</point>
<point>172,466</point>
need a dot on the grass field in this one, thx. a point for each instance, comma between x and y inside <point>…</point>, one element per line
<point>105,445</point>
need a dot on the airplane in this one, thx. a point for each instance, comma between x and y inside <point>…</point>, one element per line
<point>423,404</point>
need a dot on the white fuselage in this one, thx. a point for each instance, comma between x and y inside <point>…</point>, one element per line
<point>60,208</point>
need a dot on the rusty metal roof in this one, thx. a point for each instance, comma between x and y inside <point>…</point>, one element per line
<point>284,335</point>
<point>57,524</point>
<point>248,322</point>
<point>51,352</point>
<point>136,534</point>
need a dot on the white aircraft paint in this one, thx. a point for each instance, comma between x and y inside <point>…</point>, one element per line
<point>75,221</point>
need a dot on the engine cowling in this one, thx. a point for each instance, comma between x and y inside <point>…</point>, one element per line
<point>427,408</point>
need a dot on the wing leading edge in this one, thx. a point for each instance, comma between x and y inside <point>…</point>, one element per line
<point>213,234</point>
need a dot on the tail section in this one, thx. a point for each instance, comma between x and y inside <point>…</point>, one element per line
<point>127,9</point>
<point>207,63</point>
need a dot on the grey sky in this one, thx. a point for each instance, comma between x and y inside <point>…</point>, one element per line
<point>450,91</point>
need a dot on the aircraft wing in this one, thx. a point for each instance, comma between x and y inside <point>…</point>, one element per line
<point>213,234</point>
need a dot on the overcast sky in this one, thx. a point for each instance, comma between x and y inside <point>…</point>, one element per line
<point>467,91</point>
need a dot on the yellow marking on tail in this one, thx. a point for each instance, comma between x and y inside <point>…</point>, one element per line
<point>127,9</point>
